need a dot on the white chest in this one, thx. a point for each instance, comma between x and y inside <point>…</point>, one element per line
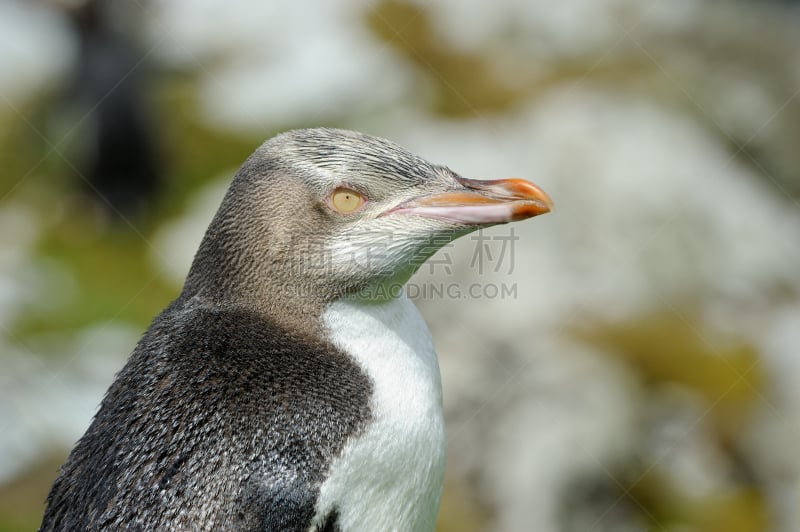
<point>389,478</point>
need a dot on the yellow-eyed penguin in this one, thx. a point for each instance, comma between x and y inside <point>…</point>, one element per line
<point>290,386</point>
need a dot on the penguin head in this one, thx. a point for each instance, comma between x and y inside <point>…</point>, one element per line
<point>324,213</point>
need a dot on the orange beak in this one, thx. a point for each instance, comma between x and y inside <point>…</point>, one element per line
<point>482,202</point>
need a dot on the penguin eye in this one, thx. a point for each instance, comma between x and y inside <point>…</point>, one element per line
<point>346,200</point>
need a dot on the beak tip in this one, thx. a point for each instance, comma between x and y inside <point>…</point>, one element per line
<point>531,208</point>
<point>535,201</point>
<point>548,203</point>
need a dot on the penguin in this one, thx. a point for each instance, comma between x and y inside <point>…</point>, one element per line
<point>290,387</point>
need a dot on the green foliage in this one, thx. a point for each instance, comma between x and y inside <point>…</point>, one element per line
<point>676,349</point>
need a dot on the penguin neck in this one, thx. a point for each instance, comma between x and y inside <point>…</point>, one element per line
<point>227,272</point>
<point>280,284</point>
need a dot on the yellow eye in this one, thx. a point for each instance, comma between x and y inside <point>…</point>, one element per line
<point>346,200</point>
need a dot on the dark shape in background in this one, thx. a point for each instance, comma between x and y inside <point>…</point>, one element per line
<point>121,165</point>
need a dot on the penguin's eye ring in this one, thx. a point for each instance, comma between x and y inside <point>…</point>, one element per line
<point>346,200</point>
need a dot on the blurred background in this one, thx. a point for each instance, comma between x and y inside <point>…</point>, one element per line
<point>629,362</point>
